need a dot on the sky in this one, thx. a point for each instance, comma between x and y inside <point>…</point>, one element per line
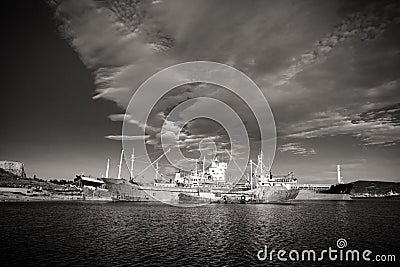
<point>330,71</point>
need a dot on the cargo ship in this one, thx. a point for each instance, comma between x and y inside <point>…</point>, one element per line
<point>339,191</point>
<point>196,183</point>
<point>264,187</point>
<point>203,186</point>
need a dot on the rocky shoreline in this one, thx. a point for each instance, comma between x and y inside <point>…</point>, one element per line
<point>22,189</point>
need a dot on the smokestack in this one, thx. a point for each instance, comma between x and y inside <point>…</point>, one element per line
<point>339,177</point>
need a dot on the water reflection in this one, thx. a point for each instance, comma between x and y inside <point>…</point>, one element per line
<point>152,234</point>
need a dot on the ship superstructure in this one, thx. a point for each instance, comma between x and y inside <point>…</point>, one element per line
<point>217,171</point>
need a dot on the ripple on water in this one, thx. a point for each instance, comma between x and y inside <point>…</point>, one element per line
<point>120,234</point>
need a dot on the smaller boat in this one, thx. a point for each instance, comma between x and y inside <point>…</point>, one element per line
<point>340,191</point>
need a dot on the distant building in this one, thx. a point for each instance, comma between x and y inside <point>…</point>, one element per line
<point>14,167</point>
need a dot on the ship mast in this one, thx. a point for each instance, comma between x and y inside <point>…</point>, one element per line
<point>108,167</point>
<point>251,174</point>
<point>204,159</point>
<point>260,167</point>
<point>151,164</point>
<point>132,161</point>
<point>157,171</point>
<point>259,163</point>
<point>120,164</point>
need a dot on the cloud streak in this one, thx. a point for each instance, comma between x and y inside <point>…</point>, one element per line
<point>297,149</point>
<point>126,137</point>
<point>375,127</point>
<point>366,24</point>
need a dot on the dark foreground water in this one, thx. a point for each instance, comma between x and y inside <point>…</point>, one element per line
<point>129,234</point>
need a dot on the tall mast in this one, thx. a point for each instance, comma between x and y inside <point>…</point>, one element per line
<point>204,159</point>
<point>151,164</point>
<point>157,170</point>
<point>132,160</point>
<point>108,167</point>
<point>120,164</point>
<point>251,174</point>
<point>196,167</point>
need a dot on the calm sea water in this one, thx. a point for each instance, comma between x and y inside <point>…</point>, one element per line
<point>128,234</point>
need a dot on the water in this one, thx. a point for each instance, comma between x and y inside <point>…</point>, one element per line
<point>122,234</point>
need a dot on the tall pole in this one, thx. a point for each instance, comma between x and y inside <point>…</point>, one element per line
<point>339,178</point>
<point>108,167</point>
<point>132,160</point>
<point>120,164</point>
<point>251,174</point>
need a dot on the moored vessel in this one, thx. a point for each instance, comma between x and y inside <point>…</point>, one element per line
<point>122,189</point>
<point>205,186</point>
<point>264,187</point>
<point>339,191</point>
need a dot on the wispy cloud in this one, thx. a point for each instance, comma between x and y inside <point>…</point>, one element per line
<point>376,127</point>
<point>119,117</point>
<point>296,148</point>
<point>126,137</point>
<point>366,24</point>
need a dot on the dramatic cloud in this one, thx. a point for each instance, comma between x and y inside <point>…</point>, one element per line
<point>327,68</point>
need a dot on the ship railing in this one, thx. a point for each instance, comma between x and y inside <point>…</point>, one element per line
<point>314,186</point>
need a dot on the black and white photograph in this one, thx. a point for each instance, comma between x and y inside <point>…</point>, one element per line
<point>200,133</point>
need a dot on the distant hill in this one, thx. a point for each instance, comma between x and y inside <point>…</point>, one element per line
<point>375,187</point>
<point>8,179</point>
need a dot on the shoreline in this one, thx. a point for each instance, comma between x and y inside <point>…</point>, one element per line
<point>23,198</point>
